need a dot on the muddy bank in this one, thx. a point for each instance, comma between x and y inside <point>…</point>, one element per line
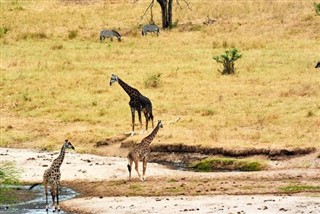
<point>126,142</point>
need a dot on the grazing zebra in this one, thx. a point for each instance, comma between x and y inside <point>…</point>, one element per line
<point>318,64</point>
<point>109,34</point>
<point>150,28</point>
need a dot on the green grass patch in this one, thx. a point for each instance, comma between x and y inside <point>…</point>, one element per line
<point>299,188</point>
<point>135,187</point>
<point>230,164</point>
<point>8,175</point>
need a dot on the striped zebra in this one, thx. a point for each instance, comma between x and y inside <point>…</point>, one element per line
<point>109,34</point>
<point>318,64</point>
<point>150,29</point>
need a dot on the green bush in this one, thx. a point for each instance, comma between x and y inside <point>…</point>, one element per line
<point>317,8</point>
<point>152,80</point>
<point>227,60</point>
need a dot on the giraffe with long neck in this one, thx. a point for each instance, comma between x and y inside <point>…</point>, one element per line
<point>141,152</point>
<point>51,177</point>
<point>138,102</point>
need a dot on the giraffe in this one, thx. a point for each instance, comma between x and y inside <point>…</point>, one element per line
<point>138,102</point>
<point>141,152</point>
<point>51,177</point>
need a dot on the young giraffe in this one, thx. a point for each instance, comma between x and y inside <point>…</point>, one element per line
<point>51,177</point>
<point>141,152</point>
<point>138,102</point>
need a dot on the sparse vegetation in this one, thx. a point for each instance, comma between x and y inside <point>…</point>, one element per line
<point>227,60</point>
<point>230,164</point>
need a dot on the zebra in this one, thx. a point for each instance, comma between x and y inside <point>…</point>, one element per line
<point>150,28</point>
<point>318,64</point>
<point>109,34</point>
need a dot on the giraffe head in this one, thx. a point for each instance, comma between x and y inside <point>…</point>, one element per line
<point>318,64</point>
<point>67,144</point>
<point>160,124</point>
<point>114,78</point>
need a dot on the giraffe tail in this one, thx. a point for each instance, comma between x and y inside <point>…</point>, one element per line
<point>30,188</point>
<point>129,168</point>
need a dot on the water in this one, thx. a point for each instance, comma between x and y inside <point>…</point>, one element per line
<point>37,205</point>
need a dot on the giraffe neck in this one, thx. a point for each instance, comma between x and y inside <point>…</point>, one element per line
<point>151,136</point>
<point>128,89</point>
<point>58,161</point>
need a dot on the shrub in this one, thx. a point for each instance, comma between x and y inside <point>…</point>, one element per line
<point>152,80</point>
<point>317,8</point>
<point>3,31</point>
<point>73,34</point>
<point>227,60</point>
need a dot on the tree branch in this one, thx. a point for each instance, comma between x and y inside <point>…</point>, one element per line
<point>186,2</point>
<point>150,6</point>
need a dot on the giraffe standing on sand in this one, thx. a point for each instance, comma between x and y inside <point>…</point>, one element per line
<point>51,177</point>
<point>141,152</point>
<point>138,102</point>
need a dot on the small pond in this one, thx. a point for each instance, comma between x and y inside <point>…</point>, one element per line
<point>38,202</point>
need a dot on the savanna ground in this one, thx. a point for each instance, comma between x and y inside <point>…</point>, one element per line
<point>55,79</point>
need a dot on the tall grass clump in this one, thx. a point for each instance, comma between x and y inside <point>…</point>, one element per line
<point>72,34</point>
<point>8,175</point>
<point>227,60</point>
<point>152,80</point>
<point>3,31</point>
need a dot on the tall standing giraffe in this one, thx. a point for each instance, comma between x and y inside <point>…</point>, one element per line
<point>138,102</point>
<point>141,152</point>
<point>51,177</point>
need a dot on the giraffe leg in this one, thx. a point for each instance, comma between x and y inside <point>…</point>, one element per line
<point>57,193</point>
<point>147,119</point>
<point>46,192</point>
<point>132,115</point>
<point>139,115</point>
<point>53,200</point>
<point>129,168</point>
<point>144,168</point>
<point>137,168</point>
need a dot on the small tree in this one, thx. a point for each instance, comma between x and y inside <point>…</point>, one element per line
<point>227,59</point>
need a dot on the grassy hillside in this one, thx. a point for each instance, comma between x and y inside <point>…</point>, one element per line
<point>55,73</point>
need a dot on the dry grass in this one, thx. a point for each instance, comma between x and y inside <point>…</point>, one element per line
<point>55,86</point>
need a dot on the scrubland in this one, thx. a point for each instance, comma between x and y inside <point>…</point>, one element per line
<point>55,73</point>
